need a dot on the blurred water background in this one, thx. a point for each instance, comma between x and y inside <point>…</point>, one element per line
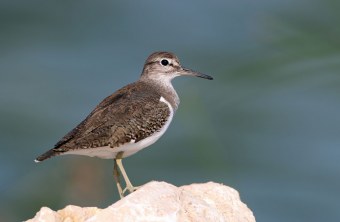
<point>268,125</point>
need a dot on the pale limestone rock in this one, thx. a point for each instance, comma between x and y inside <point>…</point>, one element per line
<point>160,201</point>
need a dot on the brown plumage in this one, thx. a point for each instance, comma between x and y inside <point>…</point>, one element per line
<point>132,113</point>
<point>130,119</point>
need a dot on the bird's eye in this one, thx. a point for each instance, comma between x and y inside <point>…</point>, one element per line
<point>164,62</point>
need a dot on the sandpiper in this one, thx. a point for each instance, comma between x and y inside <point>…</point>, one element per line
<point>130,119</point>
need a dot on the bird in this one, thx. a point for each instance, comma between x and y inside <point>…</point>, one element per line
<point>130,119</point>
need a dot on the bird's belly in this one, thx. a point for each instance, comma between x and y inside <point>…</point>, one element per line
<point>129,148</point>
<point>106,152</point>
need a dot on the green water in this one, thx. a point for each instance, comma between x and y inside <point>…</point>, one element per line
<point>267,125</point>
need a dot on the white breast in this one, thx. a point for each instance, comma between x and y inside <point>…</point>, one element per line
<point>107,152</point>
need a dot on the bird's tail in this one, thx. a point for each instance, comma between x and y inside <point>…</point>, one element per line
<point>46,155</point>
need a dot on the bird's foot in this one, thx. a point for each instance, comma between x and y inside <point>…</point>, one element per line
<point>130,189</point>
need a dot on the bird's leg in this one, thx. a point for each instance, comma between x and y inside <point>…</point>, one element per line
<point>129,186</point>
<point>116,177</point>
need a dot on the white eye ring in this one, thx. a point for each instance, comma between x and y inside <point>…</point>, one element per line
<point>164,62</point>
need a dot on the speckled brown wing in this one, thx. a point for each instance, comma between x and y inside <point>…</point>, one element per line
<point>132,113</point>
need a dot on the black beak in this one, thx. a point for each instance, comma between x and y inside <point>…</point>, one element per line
<point>189,72</point>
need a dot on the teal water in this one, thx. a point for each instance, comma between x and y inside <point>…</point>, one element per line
<point>267,125</point>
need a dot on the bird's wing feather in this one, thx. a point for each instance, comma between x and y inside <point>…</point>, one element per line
<point>110,100</point>
<point>126,115</point>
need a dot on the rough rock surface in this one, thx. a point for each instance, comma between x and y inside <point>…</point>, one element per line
<point>160,201</point>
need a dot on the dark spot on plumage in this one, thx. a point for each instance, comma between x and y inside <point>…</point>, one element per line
<point>117,97</point>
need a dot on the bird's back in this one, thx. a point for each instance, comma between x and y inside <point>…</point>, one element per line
<point>129,115</point>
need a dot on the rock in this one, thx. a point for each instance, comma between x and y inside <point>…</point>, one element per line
<point>160,201</point>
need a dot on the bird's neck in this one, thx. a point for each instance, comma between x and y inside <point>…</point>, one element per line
<point>165,88</point>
